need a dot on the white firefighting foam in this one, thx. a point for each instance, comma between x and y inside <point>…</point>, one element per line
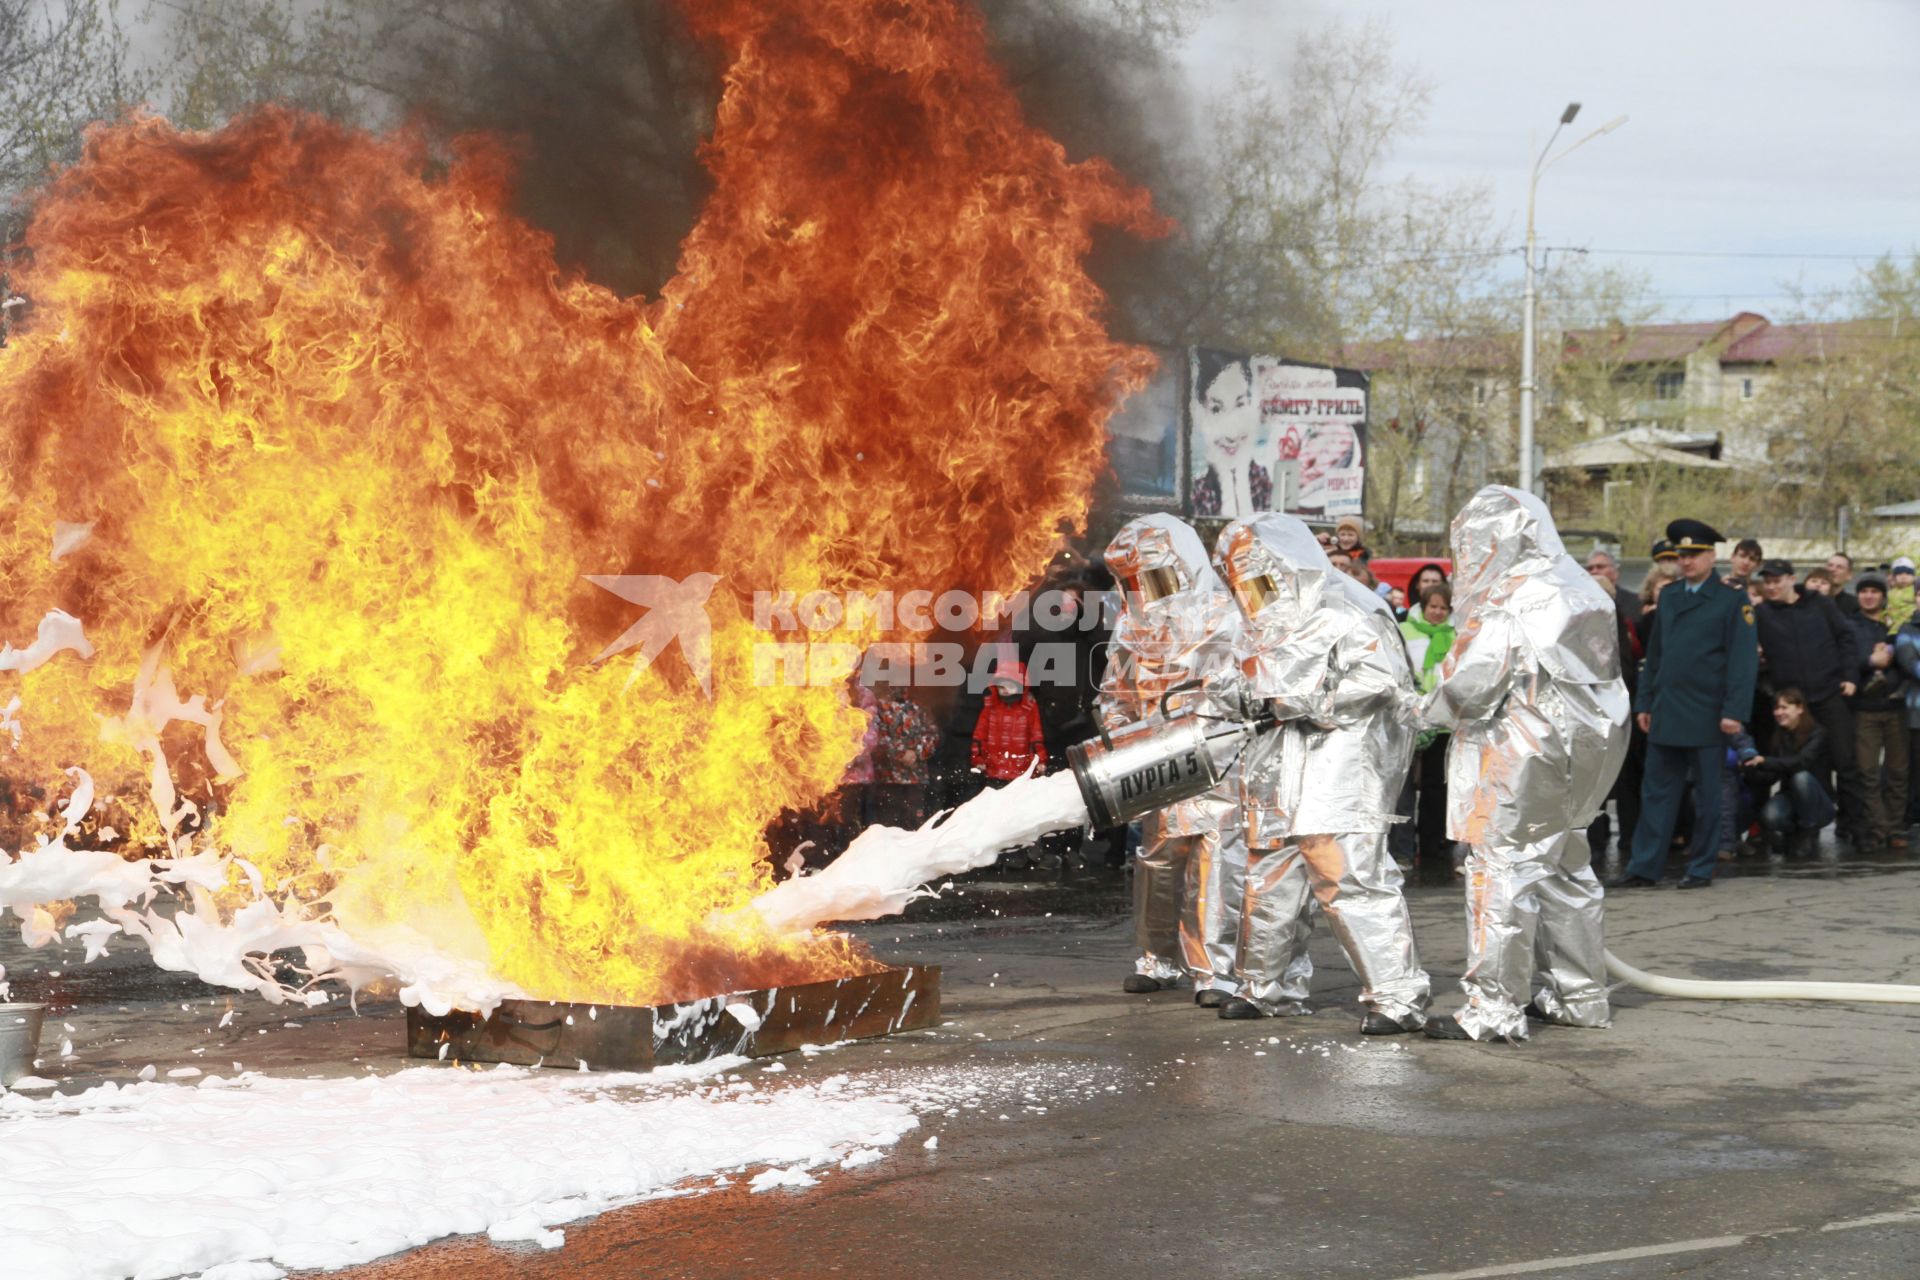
<point>167,903</point>
<point>58,631</point>
<point>885,867</point>
<point>254,1176</point>
<point>295,1174</point>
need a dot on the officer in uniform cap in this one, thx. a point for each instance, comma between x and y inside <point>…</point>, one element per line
<point>1695,688</point>
<point>1663,549</point>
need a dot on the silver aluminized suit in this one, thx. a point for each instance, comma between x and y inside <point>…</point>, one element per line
<point>1533,696</point>
<point>1177,627</point>
<point>1323,654</point>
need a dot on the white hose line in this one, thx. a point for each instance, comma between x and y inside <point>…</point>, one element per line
<point>1699,989</point>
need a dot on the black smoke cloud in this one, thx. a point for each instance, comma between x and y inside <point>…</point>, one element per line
<point>608,102</point>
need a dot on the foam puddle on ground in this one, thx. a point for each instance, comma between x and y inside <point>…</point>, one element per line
<point>247,1178</point>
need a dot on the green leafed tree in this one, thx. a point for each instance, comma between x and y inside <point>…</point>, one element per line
<point>1841,414</point>
<point>63,65</point>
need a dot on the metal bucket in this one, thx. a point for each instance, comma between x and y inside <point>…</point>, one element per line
<point>19,1040</point>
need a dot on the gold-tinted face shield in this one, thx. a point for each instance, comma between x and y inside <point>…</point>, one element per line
<point>1150,585</point>
<point>1255,592</point>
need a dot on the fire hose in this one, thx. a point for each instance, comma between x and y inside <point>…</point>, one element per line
<point>1133,770</point>
<point>1701,989</point>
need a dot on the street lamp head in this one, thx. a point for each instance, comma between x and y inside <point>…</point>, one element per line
<point>1573,109</point>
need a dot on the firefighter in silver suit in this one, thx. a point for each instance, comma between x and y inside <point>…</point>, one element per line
<point>1321,654</point>
<point>1533,696</point>
<point>1175,633</point>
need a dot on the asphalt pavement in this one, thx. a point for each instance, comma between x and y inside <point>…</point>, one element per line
<point>1139,1136</point>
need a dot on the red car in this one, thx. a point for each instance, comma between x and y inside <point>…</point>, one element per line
<point>1399,570</point>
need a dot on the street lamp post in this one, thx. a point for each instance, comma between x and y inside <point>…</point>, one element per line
<point>1530,311</point>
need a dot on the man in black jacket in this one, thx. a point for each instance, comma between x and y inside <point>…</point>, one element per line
<point>1606,571</point>
<point>1806,644</point>
<point>1880,717</point>
<point>1745,562</point>
<point>1840,569</point>
<point>1626,787</point>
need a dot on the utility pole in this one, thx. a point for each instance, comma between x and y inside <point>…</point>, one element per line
<point>1529,319</point>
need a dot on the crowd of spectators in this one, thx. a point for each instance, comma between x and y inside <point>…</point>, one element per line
<point>1833,734</point>
<point>1832,738</point>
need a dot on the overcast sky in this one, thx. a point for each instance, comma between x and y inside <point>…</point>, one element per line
<point>1787,127</point>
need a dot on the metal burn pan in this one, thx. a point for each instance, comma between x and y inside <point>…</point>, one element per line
<point>757,1024</point>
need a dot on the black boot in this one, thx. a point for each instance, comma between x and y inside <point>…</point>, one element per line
<point>1139,984</point>
<point>1211,998</point>
<point>1237,1009</point>
<point>1379,1024</point>
<point>1445,1028</point>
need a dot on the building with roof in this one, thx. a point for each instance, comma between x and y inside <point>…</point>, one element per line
<point>1442,426</point>
<point>1624,409</point>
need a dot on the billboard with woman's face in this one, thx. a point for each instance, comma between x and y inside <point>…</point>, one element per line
<point>1239,434</point>
<point>1230,479</point>
<point>1269,435</point>
<point>1316,427</point>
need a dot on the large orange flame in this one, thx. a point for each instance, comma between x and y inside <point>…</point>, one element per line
<point>350,444</point>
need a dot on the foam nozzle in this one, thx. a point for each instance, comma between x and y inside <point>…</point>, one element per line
<point>1129,772</point>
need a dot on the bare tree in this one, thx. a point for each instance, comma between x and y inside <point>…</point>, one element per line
<point>1596,374</point>
<point>1447,358</point>
<point>63,65</point>
<point>1316,254</point>
<point>224,56</point>
<point>1841,413</point>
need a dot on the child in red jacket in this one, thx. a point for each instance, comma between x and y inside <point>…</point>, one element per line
<point>1007,738</point>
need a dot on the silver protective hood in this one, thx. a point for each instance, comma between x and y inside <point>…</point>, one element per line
<point>1507,555</point>
<point>1280,573</point>
<point>1275,568</point>
<point>1300,611</point>
<point>1176,636</point>
<point>1322,653</point>
<point>1172,647</point>
<point>1532,693</point>
<point>1157,560</point>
